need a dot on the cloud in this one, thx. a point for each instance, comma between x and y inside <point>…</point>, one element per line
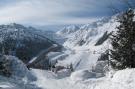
<point>46,12</point>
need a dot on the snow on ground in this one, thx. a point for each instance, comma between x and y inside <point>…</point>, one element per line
<point>5,85</point>
<point>33,59</point>
<point>80,60</point>
<point>123,79</point>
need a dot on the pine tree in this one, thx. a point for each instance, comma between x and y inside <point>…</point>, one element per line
<point>71,67</point>
<point>5,68</point>
<point>122,54</point>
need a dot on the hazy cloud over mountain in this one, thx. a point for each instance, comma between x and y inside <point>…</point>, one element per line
<point>49,12</point>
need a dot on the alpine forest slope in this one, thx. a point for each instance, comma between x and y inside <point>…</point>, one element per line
<point>23,42</point>
<point>123,42</point>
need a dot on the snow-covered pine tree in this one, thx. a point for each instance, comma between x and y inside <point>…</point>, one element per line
<point>122,54</point>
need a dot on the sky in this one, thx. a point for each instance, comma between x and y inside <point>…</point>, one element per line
<point>56,12</point>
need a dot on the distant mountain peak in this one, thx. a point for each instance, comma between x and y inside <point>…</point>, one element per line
<point>88,34</point>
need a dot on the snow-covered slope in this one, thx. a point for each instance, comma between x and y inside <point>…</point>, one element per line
<point>20,77</point>
<point>83,47</point>
<point>84,44</point>
<point>20,32</point>
<point>89,34</point>
<point>84,79</point>
<point>19,40</point>
<point>68,30</point>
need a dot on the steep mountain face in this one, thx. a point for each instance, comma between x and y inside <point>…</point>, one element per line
<point>90,34</point>
<point>23,42</point>
<point>68,30</point>
<point>85,44</point>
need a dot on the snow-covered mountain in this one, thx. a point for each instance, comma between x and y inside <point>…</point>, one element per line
<point>85,43</point>
<point>80,65</point>
<point>83,49</point>
<point>68,30</point>
<point>89,34</point>
<point>18,31</point>
<point>23,42</point>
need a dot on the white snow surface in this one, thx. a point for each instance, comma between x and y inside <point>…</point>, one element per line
<point>84,79</point>
<point>89,34</point>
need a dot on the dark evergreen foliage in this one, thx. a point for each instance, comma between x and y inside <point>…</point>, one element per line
<point>71,67</point>
<point>24,49</point>
<point>5,68</point>
<point>23,42</point>
<point>123,55</point>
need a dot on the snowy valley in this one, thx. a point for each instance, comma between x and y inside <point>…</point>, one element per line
<point>67,44</point>
<point>77,66</point>
<point>83,48</point>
